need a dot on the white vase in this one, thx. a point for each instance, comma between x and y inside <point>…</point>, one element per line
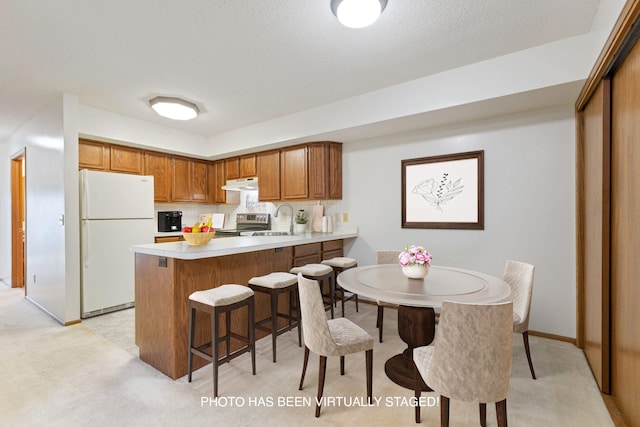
<point>417,271</point>
<point>299,228</point>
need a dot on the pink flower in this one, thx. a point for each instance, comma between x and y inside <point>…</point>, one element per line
<point>413,255</point>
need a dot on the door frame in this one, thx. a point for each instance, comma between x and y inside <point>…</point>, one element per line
<point>18,217</point>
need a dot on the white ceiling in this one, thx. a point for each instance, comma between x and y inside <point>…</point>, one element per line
<point>247,61</point>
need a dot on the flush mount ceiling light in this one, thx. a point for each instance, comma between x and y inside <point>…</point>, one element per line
<point>174,108</point>
<point>357,13</point>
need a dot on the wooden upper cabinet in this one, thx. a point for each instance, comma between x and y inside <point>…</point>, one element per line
<point>294,173</point>
<point>217,178</point>
<point>325,170</point>
<point>159,165</point>
<point>232,168</point>
<point>335,171</point>
<point>126,160</point>
<point>268,165</point>
<point>181,179</point>
<point>248,168</point>
<point>93,155</point>
<point>199,183</point>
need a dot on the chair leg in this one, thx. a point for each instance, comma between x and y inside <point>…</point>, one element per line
<point>192,330</point>
<point>274,323</point>
<point>298,317</point>
<point>380,321</point>
<point>251,334</point>
<point>501,413</point>
<point>483,415</point>
<point>304,366</point>
<point>357,303</point>
<point>369,362</point>
<point>341,365</point>
<point>417,391</point>
<point>525,337</point>
<point>444,411</point>
<point>214,349</point>
<point>321,374</point>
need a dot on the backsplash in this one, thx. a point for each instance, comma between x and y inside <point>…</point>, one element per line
<point>249,203</point>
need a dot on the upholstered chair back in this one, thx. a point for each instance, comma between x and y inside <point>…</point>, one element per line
<point>387,257</point>
<point>472,352</point>
<point>315,327</point>
<point>519,276</point>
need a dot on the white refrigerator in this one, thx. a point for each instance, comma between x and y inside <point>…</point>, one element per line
<point>116,212</point>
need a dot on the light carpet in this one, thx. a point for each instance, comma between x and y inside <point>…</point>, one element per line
<point>90,374</point>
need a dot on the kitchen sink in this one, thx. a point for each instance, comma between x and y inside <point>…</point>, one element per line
<point>271,233</point>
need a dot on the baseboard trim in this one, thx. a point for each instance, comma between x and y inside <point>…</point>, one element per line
<point>615,414</point>
<point>53,316</point>
<point>553,337</point>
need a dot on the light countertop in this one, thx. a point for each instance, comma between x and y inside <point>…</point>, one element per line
<point>237,245</point>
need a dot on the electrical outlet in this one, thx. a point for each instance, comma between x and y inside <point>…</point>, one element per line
<point>345,217</point>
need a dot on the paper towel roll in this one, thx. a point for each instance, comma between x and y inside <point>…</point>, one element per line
<point>330,224</point>
<point>325,224</point>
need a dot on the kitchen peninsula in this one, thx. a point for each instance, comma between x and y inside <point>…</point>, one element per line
<point>167,273</point>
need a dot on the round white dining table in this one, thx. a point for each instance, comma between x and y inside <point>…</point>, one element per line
<point>416,300</point>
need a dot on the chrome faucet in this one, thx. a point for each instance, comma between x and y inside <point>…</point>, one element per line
<point>290,207</point>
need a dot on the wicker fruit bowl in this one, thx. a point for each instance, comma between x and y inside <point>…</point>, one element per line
<point>198,239</point>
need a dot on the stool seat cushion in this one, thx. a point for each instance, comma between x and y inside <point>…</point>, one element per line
<point>341,262</point>
<point>222,295</point>
<point>312,270</point>
<point>276,280</point>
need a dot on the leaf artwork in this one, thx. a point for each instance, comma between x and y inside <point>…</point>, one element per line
<point>438,194</point>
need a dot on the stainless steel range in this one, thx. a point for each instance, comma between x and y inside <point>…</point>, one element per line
<point>247,222</point>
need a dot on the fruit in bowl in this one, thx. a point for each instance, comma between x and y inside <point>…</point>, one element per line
<point>198,234</point>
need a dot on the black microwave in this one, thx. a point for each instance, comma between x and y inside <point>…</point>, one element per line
<point>169,221</point>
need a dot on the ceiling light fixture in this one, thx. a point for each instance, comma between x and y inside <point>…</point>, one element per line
<point>174,108</point>
<point>357,13</point>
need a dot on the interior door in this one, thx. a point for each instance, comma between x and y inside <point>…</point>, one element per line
<point>18,224</point>
<point>625,237</point>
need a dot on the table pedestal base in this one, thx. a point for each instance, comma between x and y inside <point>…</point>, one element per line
<point>416,326</point>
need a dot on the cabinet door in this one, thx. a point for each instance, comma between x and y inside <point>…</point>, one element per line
<point>268,175</point>
<point>318,170</point>
<point>92,155</point>
<point>335,171</point>
<point>181,179</point>
<point>232,168</point>
<point>248,166</point>
<point>293,173</point>
<point>199,181</point>
<point>159,166</point>
<point>217,178</point>
<point>126,160</point>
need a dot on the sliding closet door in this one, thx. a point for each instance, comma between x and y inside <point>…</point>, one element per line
<point>594,309</point>
<point>625,238</point>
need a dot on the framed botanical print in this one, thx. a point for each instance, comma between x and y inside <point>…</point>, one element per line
<point>444,191</point>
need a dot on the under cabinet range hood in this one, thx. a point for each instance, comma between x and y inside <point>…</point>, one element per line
<point>241,184</point>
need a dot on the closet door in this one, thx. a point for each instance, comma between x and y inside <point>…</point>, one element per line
<point>594,308</point>
<point>625,237</point>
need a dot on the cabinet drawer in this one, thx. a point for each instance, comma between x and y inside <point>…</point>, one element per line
<point>332,245</point>
<point>332,254</point>
<point>309,259</point>
<point>308,249</point>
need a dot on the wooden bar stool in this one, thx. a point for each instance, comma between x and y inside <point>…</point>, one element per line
<point>223,299</point>
<point>323,274</point>
<point>340,264</point>
<point>276,284</point>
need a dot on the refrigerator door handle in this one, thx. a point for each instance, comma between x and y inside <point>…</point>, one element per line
<point>85,243</point>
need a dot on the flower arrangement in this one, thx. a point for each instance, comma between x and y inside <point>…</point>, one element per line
<point>415,255</point>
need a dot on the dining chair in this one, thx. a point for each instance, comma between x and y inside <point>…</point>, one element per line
<point>519,276</point>
<point>384,257</point>
<point>334,337</point>
<point>469,358</point>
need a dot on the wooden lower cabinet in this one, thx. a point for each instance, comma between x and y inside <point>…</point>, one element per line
<point>162,289</point>
<point>163,286</point>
